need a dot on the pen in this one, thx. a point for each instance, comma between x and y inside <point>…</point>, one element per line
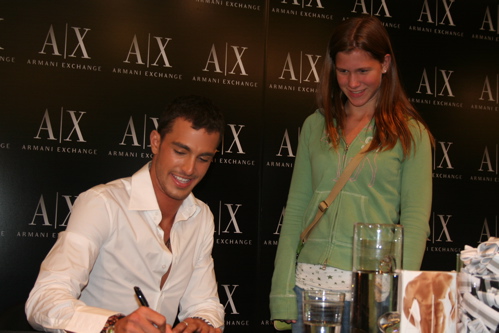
<point>141,296</point>
<point>142,299</point>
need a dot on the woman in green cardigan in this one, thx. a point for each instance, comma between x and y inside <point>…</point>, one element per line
<point>361,102</point>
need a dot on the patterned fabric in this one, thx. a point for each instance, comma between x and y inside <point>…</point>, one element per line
<point>310,276</point>
<point>111,322</point>
<point>478,284</point>
<point>205,320</point>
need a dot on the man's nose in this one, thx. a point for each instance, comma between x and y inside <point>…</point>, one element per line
<point>189,165</point>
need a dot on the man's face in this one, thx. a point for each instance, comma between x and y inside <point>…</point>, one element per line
<point>181,158</point>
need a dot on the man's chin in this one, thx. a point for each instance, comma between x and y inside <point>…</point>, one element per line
<point>179,195</point>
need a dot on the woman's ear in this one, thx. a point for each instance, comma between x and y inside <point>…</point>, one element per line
<point>386,62</point>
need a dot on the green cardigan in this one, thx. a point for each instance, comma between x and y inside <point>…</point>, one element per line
<point>385,188</point>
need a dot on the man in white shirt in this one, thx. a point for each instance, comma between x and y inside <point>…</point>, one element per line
<point>147,230</point>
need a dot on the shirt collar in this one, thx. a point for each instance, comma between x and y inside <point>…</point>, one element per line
<point>188,209</point>
<point>142,196</point>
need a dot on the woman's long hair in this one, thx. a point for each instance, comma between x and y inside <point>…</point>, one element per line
<point>393,109</point>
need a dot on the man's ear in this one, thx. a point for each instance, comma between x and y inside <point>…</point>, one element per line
<point>155,139</point>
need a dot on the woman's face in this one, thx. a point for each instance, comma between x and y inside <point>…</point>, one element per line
<point>359,76</point>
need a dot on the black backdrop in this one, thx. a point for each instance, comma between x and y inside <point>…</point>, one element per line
<point>83,82</point>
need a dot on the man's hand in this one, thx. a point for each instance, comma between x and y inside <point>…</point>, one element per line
<point>143,320</point>
<point>190,325</point>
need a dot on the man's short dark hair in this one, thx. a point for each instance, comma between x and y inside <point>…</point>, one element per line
<point>198,110</point>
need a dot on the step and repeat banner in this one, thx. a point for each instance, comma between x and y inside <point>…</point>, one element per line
<point>82,84</point>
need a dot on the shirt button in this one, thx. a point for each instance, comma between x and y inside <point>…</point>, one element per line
<point>164,266</point>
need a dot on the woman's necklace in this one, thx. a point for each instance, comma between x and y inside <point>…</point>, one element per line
<point>358,129</point>
<point>347,145</point>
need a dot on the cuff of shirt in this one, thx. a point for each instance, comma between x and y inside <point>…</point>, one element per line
<point>89,319</point>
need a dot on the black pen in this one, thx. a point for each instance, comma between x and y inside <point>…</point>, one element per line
<point>141,296</point>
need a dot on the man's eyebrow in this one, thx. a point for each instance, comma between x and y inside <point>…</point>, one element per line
<point>183,146</point>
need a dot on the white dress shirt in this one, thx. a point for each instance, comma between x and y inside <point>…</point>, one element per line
<point>112,243</point>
